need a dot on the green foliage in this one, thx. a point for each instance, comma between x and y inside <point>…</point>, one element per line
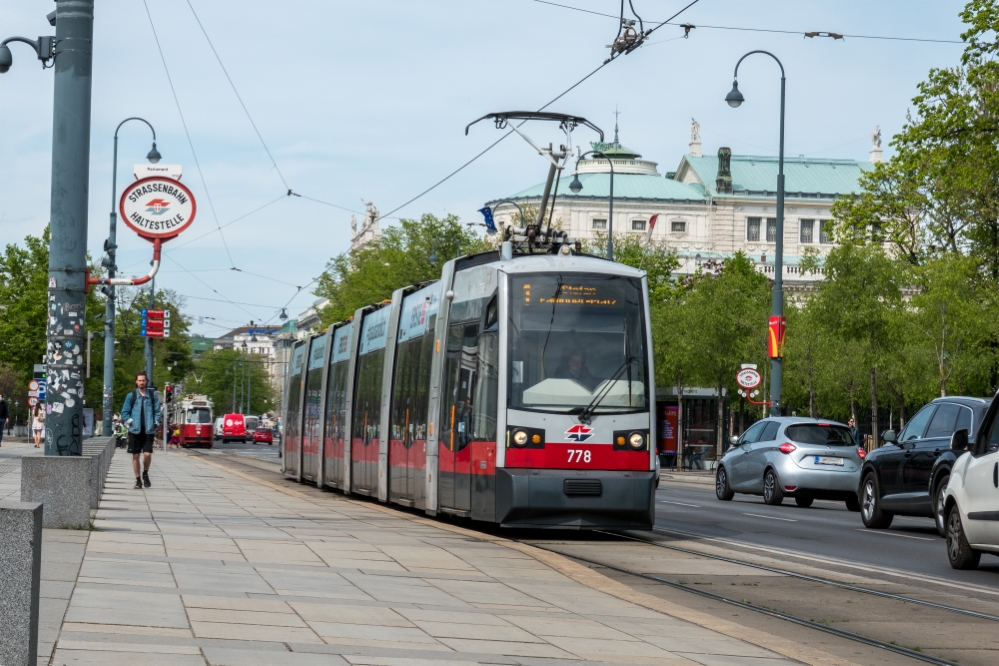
<point>172,357</point>
<point>399,258</point>
<point>231,378</point>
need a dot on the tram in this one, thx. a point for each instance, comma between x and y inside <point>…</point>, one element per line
<point>516,389</point>
<point>194,417</point>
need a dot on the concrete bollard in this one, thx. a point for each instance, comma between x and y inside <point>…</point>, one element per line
<point>20,581</point>
<point>63,484</point>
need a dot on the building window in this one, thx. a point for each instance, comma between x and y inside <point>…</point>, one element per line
<point>805,236</point>
<point>678,226</point>
<point>825,231</point>
<point>771,229</point>
<point>638,225</point>
<point>753,229</point>
<point>599,225</point>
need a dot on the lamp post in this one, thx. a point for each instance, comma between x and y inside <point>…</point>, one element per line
<point>110,246</point>
<point>576,186</point>
<point>735,99</point>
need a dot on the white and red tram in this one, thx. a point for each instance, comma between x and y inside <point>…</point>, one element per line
<point>517,389</point>
<point>194,417</point>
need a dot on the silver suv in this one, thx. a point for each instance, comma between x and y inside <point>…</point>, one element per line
<point>804,458</point>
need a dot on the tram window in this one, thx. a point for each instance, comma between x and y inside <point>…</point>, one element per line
<point>463,417</point>
<point>410,393</point>
<point>336,401</point>
<point>199,416</point>
<point>295,393</point>
<point>368,402</point>
<point>573,335</point>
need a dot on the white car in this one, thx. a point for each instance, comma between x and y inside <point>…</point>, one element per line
<point>971,501</point>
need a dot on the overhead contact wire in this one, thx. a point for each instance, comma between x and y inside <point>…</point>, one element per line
<point>183,122</point>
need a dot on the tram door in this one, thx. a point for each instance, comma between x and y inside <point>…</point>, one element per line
<point>312,408</point>
<point>367,404</point>
<point>459,380</point>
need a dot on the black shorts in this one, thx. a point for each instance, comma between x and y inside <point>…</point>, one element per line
<point>141,443</point>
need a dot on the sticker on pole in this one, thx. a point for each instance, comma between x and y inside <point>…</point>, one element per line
<point>748,378</point>
<point>157,208</point>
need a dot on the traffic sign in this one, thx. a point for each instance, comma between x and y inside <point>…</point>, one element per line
<point>157,208</point>
<point>33,385</point>
<point>32,401</point>
<point>156,314</point>
<point>155,323</point>
<point>748,378</point>
<point>148,333</point>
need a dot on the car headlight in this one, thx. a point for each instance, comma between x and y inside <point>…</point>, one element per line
<point>520,438</point>
<point>636,440</point>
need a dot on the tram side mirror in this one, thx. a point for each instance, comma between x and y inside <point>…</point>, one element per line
<point>889,437</point>
<point>959,440</point>
<point>733,440</point>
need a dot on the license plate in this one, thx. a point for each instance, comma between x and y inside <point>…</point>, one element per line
<point>828,460</point>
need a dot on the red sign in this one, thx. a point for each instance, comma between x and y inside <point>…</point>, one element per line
<point>775,337</point>
<point>154,314</point>
<point>154,324</point>
<point>153,334</point>
<point>157,208</point>
<point>668,417</point>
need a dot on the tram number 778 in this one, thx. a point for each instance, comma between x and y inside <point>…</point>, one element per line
<point>577,455</point>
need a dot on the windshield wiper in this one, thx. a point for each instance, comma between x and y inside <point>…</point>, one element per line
<point>587,413</point>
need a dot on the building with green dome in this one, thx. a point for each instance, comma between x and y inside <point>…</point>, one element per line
<point>709,207</point>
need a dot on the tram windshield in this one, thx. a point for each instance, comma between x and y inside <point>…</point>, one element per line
<point>199,415</point>
<point>577,340</point>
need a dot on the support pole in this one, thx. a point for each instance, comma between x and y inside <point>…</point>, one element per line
<point>109,313</point>
<point>66,334</point>
<point>149,342</point>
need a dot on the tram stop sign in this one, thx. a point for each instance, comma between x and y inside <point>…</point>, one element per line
<point>157,208</point>
<point>748,378</point>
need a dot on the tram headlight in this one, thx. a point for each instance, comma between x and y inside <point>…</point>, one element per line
<point>636,440</point>
<point>520,437</point>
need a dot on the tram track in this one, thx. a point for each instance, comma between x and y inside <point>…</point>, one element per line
<point>787,617</point>
<point>813,579</point>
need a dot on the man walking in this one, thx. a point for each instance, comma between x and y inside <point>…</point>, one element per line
<point>4,416</point>
<point>141,413</point>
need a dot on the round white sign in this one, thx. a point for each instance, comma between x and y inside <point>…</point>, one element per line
<point>33,385</point>
<point>748,378</point>
<point>157,208</point>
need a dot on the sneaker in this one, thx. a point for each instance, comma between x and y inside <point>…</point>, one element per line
<point>138,483</point>
<point>145,479</point>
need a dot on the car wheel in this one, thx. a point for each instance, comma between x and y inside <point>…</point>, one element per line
<point>803,501</point>
<point>853,503</point>
<point>959,551</point>
<point>723,491</point>
<point>773,494</point>
<point>939,509</point>
<point>870,505</point>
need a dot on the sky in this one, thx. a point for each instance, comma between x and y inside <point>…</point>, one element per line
<point>369,102</point>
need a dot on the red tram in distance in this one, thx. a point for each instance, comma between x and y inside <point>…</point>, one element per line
<point>194,417</point>
<point>517,389</point>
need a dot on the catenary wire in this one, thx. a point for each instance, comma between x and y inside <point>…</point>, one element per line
<point>497,141</point>
<point>183,122</point>
<point>238,97</point>
<point>213,289</point>
<point>770,30</point>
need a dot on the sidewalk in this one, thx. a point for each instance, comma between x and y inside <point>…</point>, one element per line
<point>225,568</point>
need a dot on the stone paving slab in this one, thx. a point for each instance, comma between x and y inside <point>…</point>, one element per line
<point>213,568</point>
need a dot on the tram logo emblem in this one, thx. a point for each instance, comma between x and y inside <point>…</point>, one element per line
<point>578,433</point>
<point>157,206</point>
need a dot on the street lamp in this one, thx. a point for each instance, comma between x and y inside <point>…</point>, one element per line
<point>576,186</point>
<point>108,290</point>
<point>735,99</point>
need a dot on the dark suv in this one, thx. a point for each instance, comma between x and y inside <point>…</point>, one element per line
<point>907,476</point>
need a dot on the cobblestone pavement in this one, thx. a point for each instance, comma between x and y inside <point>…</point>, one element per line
<point>214,567</point>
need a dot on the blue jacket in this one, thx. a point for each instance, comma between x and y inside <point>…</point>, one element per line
<point>133,403</point>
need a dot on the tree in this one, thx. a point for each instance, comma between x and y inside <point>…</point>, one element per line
<point>399,258</point>
<point>233,379</point>
<point>730,304</point>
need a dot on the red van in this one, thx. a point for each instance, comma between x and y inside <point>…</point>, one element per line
<point>233,428</point>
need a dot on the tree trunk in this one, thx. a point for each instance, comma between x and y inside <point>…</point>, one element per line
<point>812,408</point>
<point>874,407</point>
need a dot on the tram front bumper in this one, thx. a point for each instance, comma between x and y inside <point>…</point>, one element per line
<point>558,498</point>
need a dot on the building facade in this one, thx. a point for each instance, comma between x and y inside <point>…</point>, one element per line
<point>708,208</point>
